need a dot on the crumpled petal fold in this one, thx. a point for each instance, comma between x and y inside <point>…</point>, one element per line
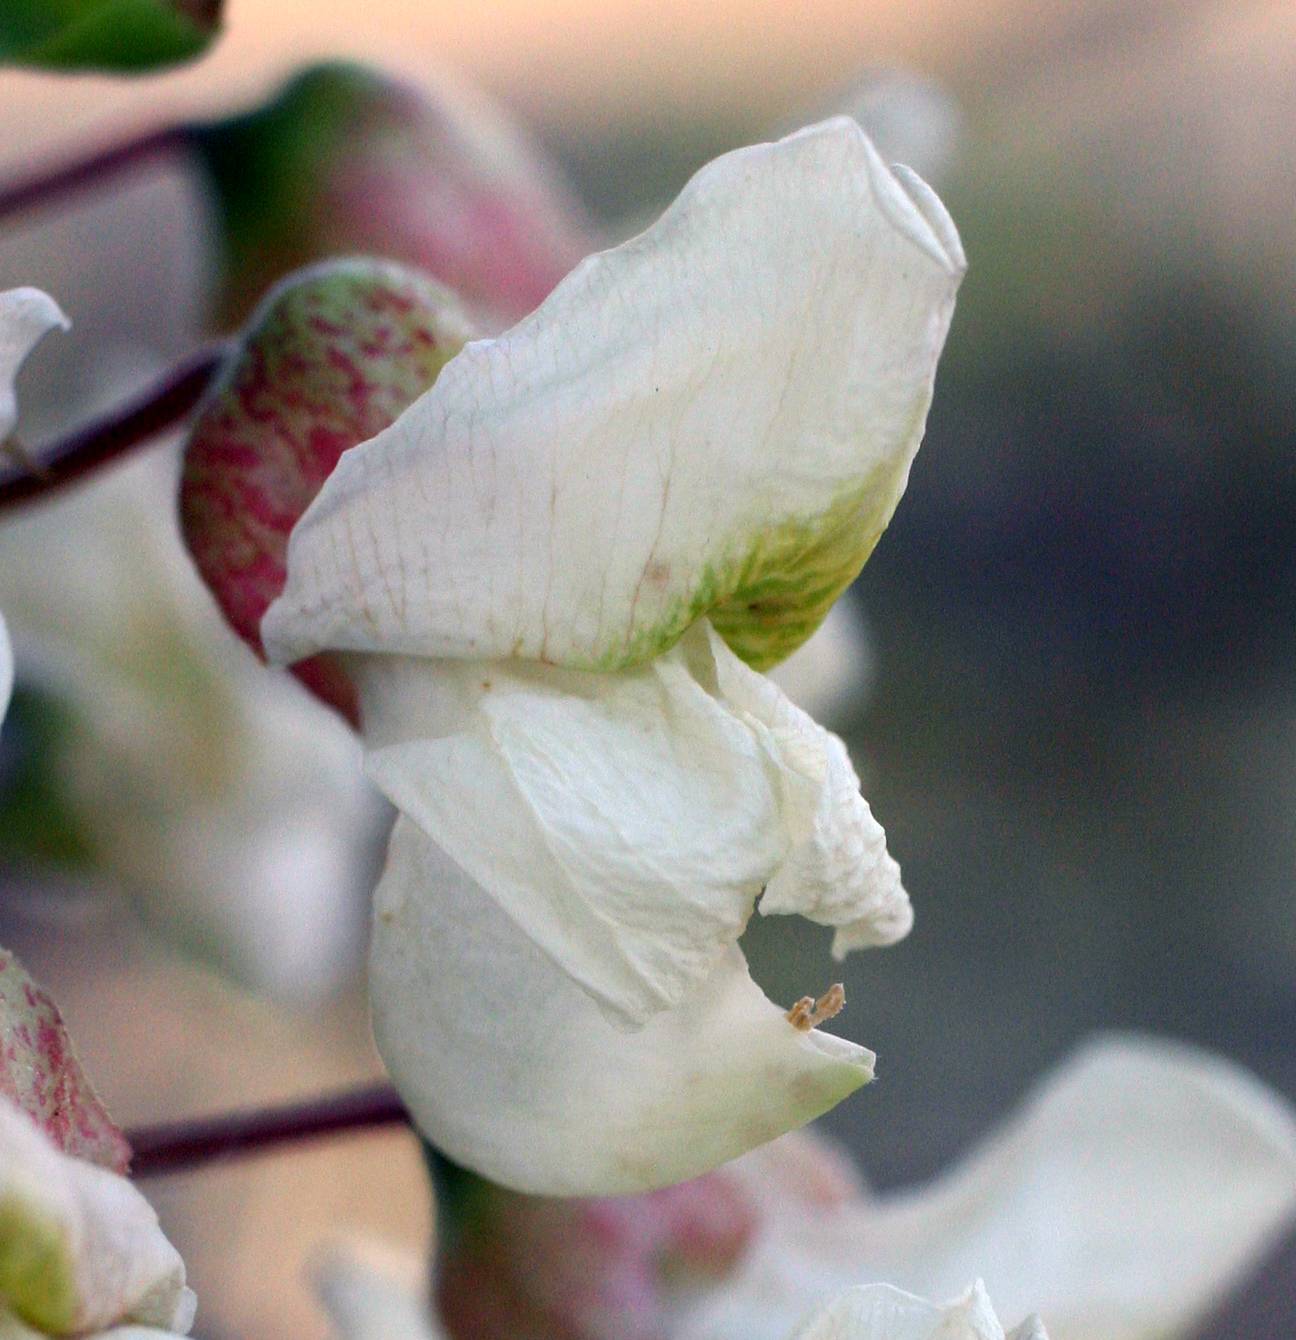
<point>629,822</point>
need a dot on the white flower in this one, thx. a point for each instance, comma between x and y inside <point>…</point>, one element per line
<point>80,1248</point>
<point>26,316</point>
<point>1134,1188</point>
<point>224,800</point>
<point>880,1312</point>
<point>570,553</point>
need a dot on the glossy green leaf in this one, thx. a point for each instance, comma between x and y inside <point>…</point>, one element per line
<point>120,36</point>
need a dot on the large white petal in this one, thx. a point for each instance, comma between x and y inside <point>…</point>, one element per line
<point>1138,1184</point>
<point>80,1248</point>
<point>880,1312</point>
<point>26,316</point>
<point>628,822</point>
<point>513,1071</point>
<point>718,415</point>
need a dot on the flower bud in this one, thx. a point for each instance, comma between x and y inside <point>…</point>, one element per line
<point>344,160</point>
<point>331,357</point>
<point>120,36</point>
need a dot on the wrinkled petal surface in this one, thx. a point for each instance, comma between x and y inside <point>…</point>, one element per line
<point>880,1312</point>
<point>513,1071</point>
<point>718,416</point>
<point>1137,1185</point>
<point>80,1248</point>
<point>26,316</point>
<point>627,823</point>
<point>40,1073</point>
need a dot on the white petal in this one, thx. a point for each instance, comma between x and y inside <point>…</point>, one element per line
<point>628,822</point>
<point>26,316</point>
<point>718,415</point>
<point>1134,1188</point>
<point>366,1302</point>
<point>880,1312</point>
<point>80,1248</point>
<point>514,1072</point>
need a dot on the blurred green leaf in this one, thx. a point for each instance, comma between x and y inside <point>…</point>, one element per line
<point>38,820</point>
<point>120,36</point>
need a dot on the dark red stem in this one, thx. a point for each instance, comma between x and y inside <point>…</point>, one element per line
<point>175,1146</point>
<point>157,408</point>
<point>48,185</point>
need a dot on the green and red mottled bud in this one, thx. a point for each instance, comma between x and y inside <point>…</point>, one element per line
<point>344,160</point>
<point>117,36</point>
<point>331,357</point>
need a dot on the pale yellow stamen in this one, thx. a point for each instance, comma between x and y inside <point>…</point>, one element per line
<point>809,1013</point>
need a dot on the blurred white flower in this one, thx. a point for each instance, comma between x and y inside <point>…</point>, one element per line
<point>569,554</point>
<point>1132,1190</point>
<point>226,801</point>
<point>26,316</point>
<point>370,1293</point>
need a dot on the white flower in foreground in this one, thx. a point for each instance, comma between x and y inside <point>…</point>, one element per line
<point>226,802</point>
<point>81,1253</point>
<point>569,555</point>
<point>26,316</point>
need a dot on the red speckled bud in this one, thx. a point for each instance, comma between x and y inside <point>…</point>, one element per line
<point>346,160</point>
<point>331,357</point>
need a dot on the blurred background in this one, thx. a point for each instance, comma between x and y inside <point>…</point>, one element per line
<point>1080,725</point>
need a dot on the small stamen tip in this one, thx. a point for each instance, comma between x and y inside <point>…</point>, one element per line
<point>809,1013</point>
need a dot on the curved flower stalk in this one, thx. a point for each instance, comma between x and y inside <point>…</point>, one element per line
<point>554,580</point>
<point>1136,1186</point>
<point>226,803</point>
<point>81,1253</point>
